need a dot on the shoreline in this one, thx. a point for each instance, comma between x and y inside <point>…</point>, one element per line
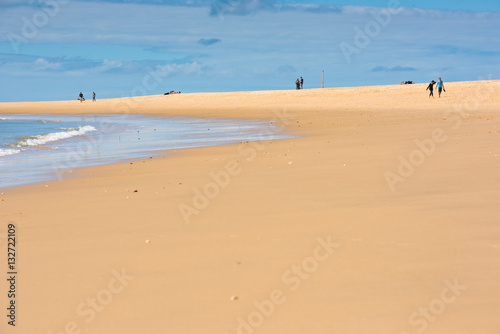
<point>307,226</point>
<point>112,140</point>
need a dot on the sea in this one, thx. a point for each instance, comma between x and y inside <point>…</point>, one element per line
<point>45,147</point>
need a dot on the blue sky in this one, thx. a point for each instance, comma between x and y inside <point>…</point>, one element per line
<point>53,49</point>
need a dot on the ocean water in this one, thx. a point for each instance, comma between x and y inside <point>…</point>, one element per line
<point>36,148</point>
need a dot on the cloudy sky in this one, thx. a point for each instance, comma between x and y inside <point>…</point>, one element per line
<point>53,49</point>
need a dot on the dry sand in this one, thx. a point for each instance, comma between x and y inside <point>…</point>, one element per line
<point>329,232</point>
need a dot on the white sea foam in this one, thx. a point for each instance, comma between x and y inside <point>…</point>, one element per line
<point>9,151</point>
<point>50,137</point>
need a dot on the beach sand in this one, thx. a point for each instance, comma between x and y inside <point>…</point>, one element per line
<point>380,217</point>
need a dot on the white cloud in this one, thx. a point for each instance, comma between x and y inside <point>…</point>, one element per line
<point>42,64</point>
<point>176,69</point>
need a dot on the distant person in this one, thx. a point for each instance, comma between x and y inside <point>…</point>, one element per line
<point>80,97</point>
<point>301,83</point>
<point>297,83</point>
<point>440,86</point>
<point>93,96</point>
<point>431,88</point>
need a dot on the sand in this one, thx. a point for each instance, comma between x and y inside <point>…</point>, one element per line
<point>380,217</point>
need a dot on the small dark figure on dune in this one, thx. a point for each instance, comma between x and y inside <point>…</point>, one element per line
<point>431,88</point>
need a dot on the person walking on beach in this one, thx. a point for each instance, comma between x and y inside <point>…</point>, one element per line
<point>440,87</point>
<point>301,83</point>
<point>431,88</point>
<point>93,96</point>
<point>80,97</point>
<point>297,83</point>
